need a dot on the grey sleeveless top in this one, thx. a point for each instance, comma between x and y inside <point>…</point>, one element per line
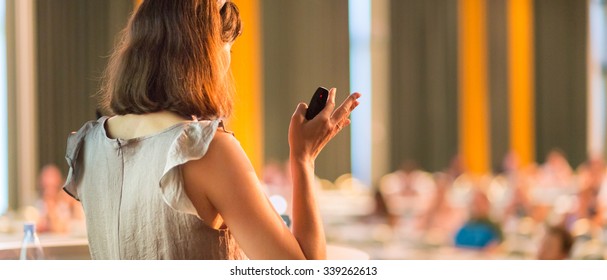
<point>133,196</point>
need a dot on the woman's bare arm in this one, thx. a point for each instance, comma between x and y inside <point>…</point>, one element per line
<point>225,179</point>
<point>306,140</point>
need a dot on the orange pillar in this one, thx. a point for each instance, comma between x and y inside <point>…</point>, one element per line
<point>246,68</point>
<point>521,75</point>
<point>473,112</point>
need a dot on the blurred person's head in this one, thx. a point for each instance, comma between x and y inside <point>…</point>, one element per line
<point>511,162</point>
<point>519,192</point>
<point>557,160</point>
<point>480,206</point>
<point>531,170</point>
<point>408,166</point>
<point>592,173</point>
<point>457,166</point>
<point>596,165</point>
<point>556,244</point>
<point>528,175</point>
<point>555,156</point>
<point>273,173</point>
<point>174,56</point>
<point>587,202</point>
<point>443,183</point>
<point>51,181</point>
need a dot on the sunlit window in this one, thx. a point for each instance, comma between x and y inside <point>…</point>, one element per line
<point>3,113</point>
<point>360,80</point>
<point>597,63</point>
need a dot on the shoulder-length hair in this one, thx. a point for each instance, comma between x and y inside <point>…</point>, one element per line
<point>171,57</point>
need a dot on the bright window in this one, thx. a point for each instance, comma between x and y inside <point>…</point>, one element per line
<point>3,113</point>
<point>360,81</point>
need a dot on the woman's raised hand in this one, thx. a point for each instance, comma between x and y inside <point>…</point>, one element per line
<point>308,138</point>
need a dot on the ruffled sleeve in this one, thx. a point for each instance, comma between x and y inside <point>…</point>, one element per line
<point>74,143</point>
<point>191,144</point>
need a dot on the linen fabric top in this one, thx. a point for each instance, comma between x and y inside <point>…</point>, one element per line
<point>133,194</point>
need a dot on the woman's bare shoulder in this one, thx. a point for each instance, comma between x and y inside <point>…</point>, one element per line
<point>224,157</point>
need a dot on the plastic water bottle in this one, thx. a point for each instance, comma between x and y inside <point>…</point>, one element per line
<point>30,247</point>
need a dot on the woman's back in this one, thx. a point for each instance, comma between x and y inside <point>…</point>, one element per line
<point>133,194</point>
<point>174,57</point>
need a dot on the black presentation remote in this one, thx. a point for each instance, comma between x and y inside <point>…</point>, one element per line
<point>318,102</point>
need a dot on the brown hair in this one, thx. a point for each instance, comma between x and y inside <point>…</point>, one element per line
<point>170,58</point>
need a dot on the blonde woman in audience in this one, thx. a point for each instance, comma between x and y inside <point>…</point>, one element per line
<point>555,245</point>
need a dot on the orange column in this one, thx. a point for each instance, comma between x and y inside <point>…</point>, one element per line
<point>246,68</point>
<point>520,71</point>
<point>473,112</point>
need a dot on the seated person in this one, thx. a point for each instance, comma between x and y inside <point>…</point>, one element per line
<point>556,244</point>
<point>57,210</point>
<point>479,232</point>
<point>441,215</point>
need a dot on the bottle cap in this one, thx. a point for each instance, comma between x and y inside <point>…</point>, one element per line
<point>286,219</point>
<point>29,227</point>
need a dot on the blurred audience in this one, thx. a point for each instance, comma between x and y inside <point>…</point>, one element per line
<point>544,211</point>
<point>451,198</point>
<point>440,219</point>
<point>592,191</point>
<point>57,209</point>
<point>517,201</point>
<point>556,244</point>
<point>276,180</point>
<point>456,167</point>
<point>407,193</point>
<point>275,175</point>
<point>519,205</point>
<point>556,171</point>
<point>553,179</point>
<point>479,232</point>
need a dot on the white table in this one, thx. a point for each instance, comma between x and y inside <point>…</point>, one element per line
<point>59,247</point>
<point>338,252</point>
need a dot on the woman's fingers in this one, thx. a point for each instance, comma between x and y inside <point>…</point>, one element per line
<point>300,112</point>
<point>330,103</point>
<point>308,138</point>
<point>344,110</point>
<point>342,124</point>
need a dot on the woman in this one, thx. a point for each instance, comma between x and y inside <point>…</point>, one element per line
<point>159,179</point>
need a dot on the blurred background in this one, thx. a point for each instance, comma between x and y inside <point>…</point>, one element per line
<point>480,134</point>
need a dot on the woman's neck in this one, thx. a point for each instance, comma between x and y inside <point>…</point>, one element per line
<point>134,125</point>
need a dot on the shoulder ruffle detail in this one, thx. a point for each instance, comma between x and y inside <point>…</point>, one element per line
<point>191,144</point>
<point>75,140</point>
